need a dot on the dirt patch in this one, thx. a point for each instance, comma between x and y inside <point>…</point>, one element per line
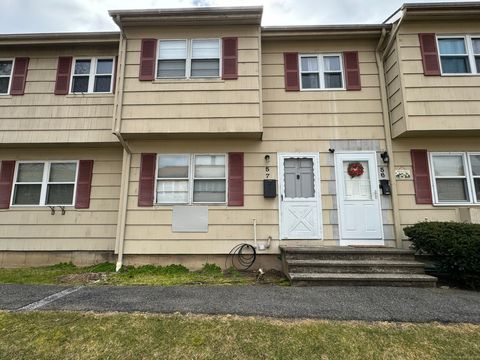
<point>83,278</point>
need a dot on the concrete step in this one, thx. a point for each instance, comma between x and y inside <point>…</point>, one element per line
<point>345,253</point>
<point>355,279</point>
<point>355,266</point>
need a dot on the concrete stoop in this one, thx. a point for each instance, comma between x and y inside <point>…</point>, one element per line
<point>350,266</point>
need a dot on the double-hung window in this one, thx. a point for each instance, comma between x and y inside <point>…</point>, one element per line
<point>50,183</point>
<point>195,58</point>
<point>205,61</point>
<point>93,75</point>
<point>474,162</point>
<point>209,179</point>
<point>323,71</point>
<point>6,67</point>
<point>459,54</point>
<point>187,179</point>
<point>455,178</point>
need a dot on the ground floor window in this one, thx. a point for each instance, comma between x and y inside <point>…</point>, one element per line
<point>455,177</point>
<point>191,178</point>
<point>49,183</point>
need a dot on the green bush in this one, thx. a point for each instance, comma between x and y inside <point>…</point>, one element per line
<point>211,269</point>
<point>454,246</point>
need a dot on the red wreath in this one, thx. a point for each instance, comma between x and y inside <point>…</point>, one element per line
<point>355,169</point>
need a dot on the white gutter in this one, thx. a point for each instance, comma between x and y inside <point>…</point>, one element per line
<point>393,34</point>
<point>127,153</point>
<point>388,140</point>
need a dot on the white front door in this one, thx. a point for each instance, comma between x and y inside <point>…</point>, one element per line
<point>300,201</point>
<point>359,210</point>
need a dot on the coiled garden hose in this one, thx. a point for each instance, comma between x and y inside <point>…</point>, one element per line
<point>241,257</point>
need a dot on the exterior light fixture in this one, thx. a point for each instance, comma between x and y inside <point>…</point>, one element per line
<point>385,157</point>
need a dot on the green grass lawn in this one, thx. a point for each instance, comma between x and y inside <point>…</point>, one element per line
<point>144,275</point>
<point>68,335</point>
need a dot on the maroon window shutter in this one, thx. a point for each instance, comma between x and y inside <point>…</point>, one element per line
<point>115,69</point>
<point>147,59</point>
<point>235,179</point>
<point>6,180</point>
<point>63,75</point>
<point>84,184</point>
<point>352,70</point>
<point>428,48</point>
<point>292,82</point>
<point>230,58</point>
<point>19,76</point>
<point>146,185</point>
<point>421,176</point>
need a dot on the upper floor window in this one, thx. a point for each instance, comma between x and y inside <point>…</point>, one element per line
<point>6,67</point>
<point>193,58</point>
<point>50,183</point>
<point>92,75</point>
<point>187,179</point>
<point>459,54</point>
<point>455,177</point>
<point>324,71</point>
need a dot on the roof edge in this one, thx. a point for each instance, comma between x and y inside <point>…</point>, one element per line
<point>60,37</point>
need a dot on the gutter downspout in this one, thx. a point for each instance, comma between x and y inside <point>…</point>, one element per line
<point>127,153</point>
<point>388,140</point>
<point>393,34</point>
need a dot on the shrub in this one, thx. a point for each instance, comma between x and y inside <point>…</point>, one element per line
<point>455,248</point>
<point>211,269</point>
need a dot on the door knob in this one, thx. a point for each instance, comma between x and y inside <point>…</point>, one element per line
<point>298,177</point>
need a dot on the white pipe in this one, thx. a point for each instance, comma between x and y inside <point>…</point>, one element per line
<point>388,141</point>
<point>255,233</point>
<point>127,154</point>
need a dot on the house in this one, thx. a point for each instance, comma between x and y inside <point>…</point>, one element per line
<point>194,130</point>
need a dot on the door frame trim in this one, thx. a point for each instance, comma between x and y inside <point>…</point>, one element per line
<point>361,242</point>
<point>317,184</point>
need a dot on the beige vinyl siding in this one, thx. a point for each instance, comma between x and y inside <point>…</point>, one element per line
<point>34,228</point>
<point>39,116</point>
<point>435,104</point>
<point>193,106</point>
<point>410,212</point>
<point>395,91</point>
<point>293,122</point>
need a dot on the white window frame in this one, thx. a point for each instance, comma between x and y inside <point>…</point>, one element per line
<point>9,76</point>
<point>473,177</point>
<point>188,60</point>
<point>157,56</point>
<point>468,48</point>
<point>191,178</point>
<point>157,179</point>
<point>321,71</point>
<point>210,178</point>
<point>468,176</point>
<point>45,182</point>
<point>93,74</point>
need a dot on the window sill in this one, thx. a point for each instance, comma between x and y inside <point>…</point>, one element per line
<point>456,204</point>
<point>460,75</point>
<point>307,90</point>
<point>185,204</point>
<point>41,206</point>
<point>183,80</point>
<point>76,95</point>
<point>6,96</point>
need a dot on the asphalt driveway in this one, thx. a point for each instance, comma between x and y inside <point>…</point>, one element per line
<point>337,303</point>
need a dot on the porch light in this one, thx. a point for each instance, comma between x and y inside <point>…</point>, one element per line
<point>385,157</point>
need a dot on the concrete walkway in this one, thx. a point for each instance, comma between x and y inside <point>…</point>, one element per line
<point>338,303</point>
